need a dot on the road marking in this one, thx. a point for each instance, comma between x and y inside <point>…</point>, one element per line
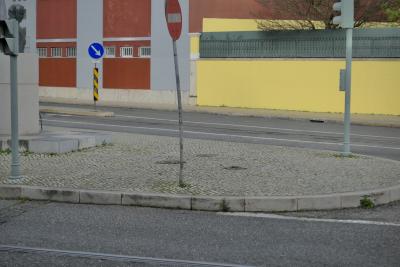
<point>257,127</point>
<point>111,257</point>
<point>224,135</point>
<point>95,50</point>
<point>302,219</point>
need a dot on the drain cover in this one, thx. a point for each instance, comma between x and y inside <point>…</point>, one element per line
<point>317,121</point>
<point>235,168</point>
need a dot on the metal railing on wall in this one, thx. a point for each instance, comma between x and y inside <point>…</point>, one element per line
<point>368,43</point>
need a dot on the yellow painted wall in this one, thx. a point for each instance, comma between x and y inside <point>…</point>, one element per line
<point>229,25</point>
<point>303,85</point>
<point>225,25</point>
<point>195,44</point>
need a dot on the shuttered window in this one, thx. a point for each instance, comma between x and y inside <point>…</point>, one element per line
<point>145,52</point>
<point>56,52</point>
<point>110,51</point>
<point>42,52</point>
<point>126,51</point>
<point>71,51</point>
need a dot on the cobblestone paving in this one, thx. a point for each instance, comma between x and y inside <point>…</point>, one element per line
<point>143,164</point>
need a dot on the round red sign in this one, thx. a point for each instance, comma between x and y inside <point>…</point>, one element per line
<point>173,15</point>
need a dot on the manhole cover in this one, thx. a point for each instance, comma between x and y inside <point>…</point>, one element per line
<point>235,168</point>
<point>169,162</point>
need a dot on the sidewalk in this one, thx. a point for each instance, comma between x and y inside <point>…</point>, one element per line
<point>357,119</point>
<point>219,176</point>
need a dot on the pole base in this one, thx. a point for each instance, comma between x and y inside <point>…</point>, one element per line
<point>346,154</point>
<point>16,178</point>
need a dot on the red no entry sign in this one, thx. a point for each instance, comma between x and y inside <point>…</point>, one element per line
<point>173,15</point>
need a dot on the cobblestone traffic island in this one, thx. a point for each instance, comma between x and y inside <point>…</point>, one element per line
<point>148,164</point>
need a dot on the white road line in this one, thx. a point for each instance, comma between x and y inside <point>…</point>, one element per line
<point>302,219</point>
<point>257,127</point>
<point>219,134</point>
<point>111,257</point>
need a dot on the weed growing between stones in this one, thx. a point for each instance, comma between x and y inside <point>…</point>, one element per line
<point>351,156</point>
<point>5,152</point>
<point>27,153</point>
<point>367,203</point>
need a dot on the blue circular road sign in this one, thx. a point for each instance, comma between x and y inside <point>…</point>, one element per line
<point>96,51</point>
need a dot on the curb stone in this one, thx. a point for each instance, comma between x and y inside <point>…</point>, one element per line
<point>77,112</point>
<point>201,203</point>
<point>51,194</point>
<point>10,191</point>
<point>157,201</point>
<point>320,203</point>
<point>100,197</point>
<point>271,204</point>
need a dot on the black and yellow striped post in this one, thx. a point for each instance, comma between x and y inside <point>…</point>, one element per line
<point>95,85</point>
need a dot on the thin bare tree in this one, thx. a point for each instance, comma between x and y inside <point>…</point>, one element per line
<point>393,10</point>
<point>314,14</point>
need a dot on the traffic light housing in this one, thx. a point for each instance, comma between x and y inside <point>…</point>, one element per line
<point>9,33</point>
<point>346,18</point>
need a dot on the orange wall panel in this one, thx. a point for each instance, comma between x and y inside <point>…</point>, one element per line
<point>57,72</point>
<point>56,19</point>
<point>126,73</point>
<point>127,18</point>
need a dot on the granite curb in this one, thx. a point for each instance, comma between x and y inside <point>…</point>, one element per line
<point>202,203</point>
<point>77,112</point>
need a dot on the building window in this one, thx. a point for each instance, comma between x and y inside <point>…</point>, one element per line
<point>110,51</point>
<point>71,51</point>
<point>126,51</point>
<point>42,51</point>
<point>145,52</point>
<point>56,52</point>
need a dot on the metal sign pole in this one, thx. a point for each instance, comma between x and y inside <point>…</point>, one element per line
<point>178,89</point>
<point>95,86</point>
<point>347,116</point>
<point>15,163</point>
<point>15,157</point>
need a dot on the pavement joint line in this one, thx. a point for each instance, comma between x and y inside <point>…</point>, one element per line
<point>305,219</point>
<point>304,116</point>
<point>111,257</point>
<point>185,202</point>
<point>219,134</point>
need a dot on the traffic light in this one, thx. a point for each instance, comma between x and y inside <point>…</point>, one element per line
<point>346,18</point>
<point>9,33</point>
<point>9,37</point>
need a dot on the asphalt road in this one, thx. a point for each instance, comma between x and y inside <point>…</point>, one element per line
<point>187,236</point>
<point>375,141</point>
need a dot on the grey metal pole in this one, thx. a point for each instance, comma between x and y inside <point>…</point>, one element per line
<point>347,114</point>
<point>15,164</point>
<point>178,89</point>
